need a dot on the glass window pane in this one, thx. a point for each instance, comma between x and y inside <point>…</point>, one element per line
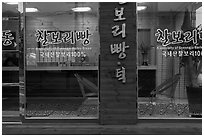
<point>164,70</point>
<point>62,49</point>
<point>10,62</point>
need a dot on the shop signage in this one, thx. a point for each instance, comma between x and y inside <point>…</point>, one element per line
<point>119,31</point>
<point>62,52</point>
<point>8,38</point>
<point>175,37</point>
<point>46,37</point>
<point>56,54</point>
<point>117,27</point>
<point>178,44</point>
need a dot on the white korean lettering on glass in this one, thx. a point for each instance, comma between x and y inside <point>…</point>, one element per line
<point>163,36</point>
<point>7,37</point>
<point>56,37</point>
<point>42,37</point>
<point>83,35</point>
<point>176,36</point>
<point>191,36</point>
<point>68,36</point>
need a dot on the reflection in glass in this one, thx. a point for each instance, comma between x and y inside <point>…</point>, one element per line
<point>62,48</point>
<point>10,62</point>
<point>162,82</point>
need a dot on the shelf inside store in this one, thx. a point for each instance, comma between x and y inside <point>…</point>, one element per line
<point>10,68</point>
<point>10,84</point>
<point>147,67</point>
<point>10,50</point>
<point>59,68</point>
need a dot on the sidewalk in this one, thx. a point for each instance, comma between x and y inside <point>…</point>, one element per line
<point>143,128</point>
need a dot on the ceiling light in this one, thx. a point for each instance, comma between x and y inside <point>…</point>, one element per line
<point>31,10</point>
<point>139,8</point>
<point>11,3</point>
<point>81,9</point>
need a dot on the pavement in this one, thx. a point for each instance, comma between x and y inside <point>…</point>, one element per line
<point>147,127</point>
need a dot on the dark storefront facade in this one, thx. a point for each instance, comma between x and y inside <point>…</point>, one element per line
<point>108,63</point>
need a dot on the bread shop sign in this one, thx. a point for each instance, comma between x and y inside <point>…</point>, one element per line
<point>119,48</point>
<point>117,38</point>
<point>118,62</point>
<point>8,38</point>
<point>60,43</point>
<point>179,43</point>
<point>46,37</point>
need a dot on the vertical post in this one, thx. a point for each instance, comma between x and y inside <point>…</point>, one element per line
<point>118,95</point>
<point>22,93</point>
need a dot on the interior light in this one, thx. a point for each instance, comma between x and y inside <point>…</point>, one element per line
<point>81,9</point>
<point>31,10</point>
<point>139,8</point>
<point>11,3</point>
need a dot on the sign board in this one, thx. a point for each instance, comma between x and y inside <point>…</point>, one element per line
<point>117,28</point>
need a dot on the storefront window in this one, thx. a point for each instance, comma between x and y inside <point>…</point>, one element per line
<point>62,50</point>
<point>166,87</point>
<point>50,60</point>
<point>10,61</point>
